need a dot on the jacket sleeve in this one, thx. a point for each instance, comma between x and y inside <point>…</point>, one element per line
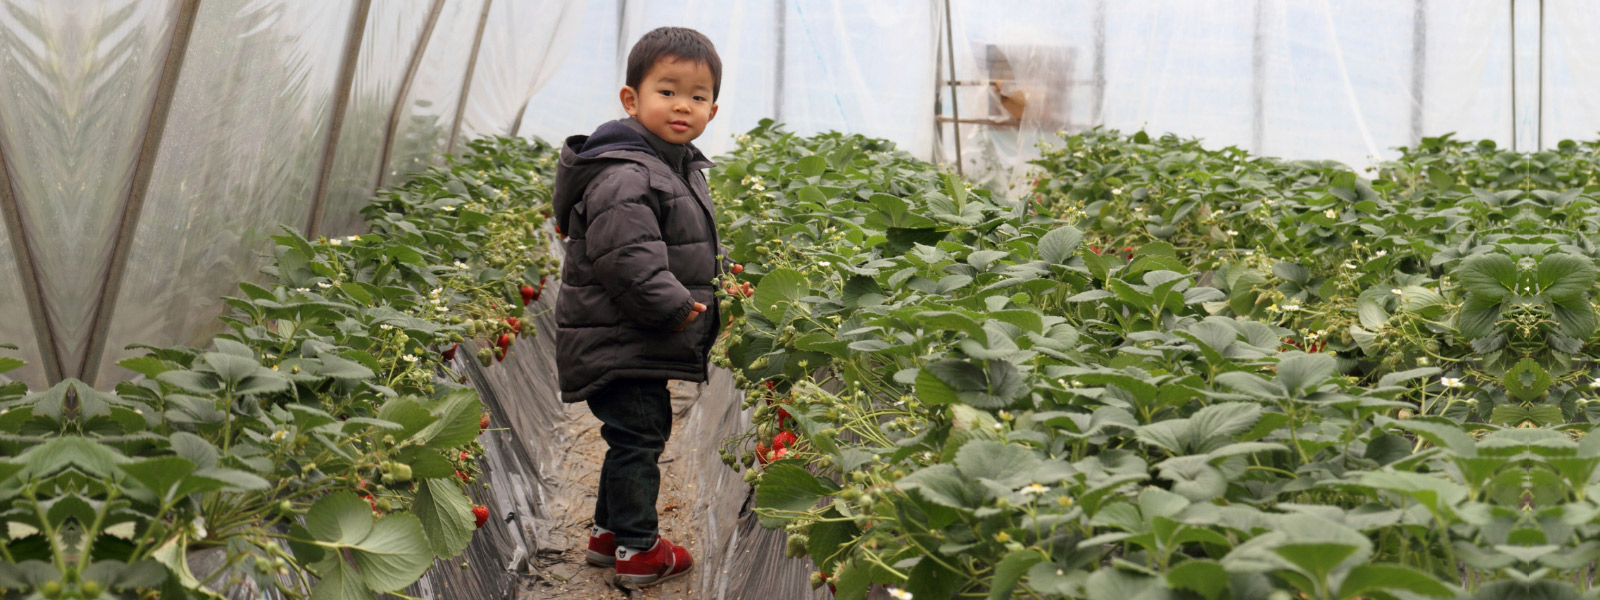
<point>624,244</point>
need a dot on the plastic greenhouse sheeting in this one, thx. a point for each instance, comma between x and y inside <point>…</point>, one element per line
<point>59,124</point>
<point>392,32</point>
<point>238,161</point>
<point>429,110</point>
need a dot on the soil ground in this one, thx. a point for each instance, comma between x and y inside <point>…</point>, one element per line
<point>563,574</point>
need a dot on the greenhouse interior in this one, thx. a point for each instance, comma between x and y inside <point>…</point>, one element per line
<point>1035,299</point>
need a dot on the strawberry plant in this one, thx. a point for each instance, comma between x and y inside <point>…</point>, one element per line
<point>1171,372</point>
<point>315,444</point>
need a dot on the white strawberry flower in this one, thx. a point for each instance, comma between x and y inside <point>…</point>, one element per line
<point>899,594</point>
<point>335,241</point>
<point>1115,191</point>
<point>1331,213</point>
<point>1380,254</point>
<point>460,265</point>
<point>302,290</point>
<point>449,208</point>
<point>1450,382</point>
<point>1233,232</point>
<point>1291,307</point>
<point>1397,292</point>
<point>1034,489</point>
<point>410,358</point>
<point>324,284</point>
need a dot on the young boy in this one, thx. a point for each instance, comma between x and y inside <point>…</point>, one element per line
<point>641,261</point>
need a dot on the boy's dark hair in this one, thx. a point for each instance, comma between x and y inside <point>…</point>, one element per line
<point>678,42</point>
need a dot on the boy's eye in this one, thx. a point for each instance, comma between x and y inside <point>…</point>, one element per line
<point>700,98</point>
<point>666,92</point>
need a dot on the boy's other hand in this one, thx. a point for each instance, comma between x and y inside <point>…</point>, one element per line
<point>694,311</point>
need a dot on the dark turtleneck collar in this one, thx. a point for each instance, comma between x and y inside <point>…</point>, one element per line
<point>675,155</point>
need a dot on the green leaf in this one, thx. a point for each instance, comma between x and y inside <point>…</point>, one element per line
<point>394,555</point>
<point>786,486</point>
<point>1526,381</point>
<point>341,582</point>
<point>1316,559</point>
<point>1004,463</point>
<point>339,516</point>
<point>1202,576</point>
<point>1299,371</point>
<point>812,166</point>
<point>1565,276</point>
<point>455,420</point>
<point>1488,276</point>
<point>446,516</point>
<point>777,290</point>
<point>389,554</point>
<point>1389,577</point>
<point>1060,245</point>
<point>1010,570</point>
<point>1289,271</point>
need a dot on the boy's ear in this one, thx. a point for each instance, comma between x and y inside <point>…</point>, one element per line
<point>630,101</point>
<point>713,114</point>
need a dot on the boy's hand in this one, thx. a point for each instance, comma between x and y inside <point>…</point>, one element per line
<point>694,311</point>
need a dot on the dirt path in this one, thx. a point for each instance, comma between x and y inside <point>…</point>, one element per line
<point>562,573</point>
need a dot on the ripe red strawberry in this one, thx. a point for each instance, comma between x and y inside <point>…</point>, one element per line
<point>1095,249</point>
<point>465,478</point>
<point>783,439</point>
<point>450,354</point>
<point>558,230</point>
<point>465,455</point>
<point>771,385</point>
<point>481,513</point>
<point>736,269</point>
<point>783,418</point>
<point>516,325</point>
<point>528,294</point>
<point>505,342</point>
<point>483,422</point>
<point>763,453</point>
<point>372,501</point>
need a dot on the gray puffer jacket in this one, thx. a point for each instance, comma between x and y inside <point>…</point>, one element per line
<point>642,248</point>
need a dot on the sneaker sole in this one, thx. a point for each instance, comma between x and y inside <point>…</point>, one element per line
<point>600,560</point>
<point>644,581</point>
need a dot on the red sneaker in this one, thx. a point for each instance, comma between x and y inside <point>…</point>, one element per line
<point>602,548</point>
<point>661,562</point>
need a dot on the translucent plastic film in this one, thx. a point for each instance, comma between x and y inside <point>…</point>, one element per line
<point>745,34</point>
<point>523,42</point>
<point>429,110</point>
<point>861,67</point>
<point>79,77</point>
<point>581,92</point>
<point>1571,101</point>
<point>238,161</point>
<point>1348,81</point>
<point>16,324</point>
<point>393,29</point>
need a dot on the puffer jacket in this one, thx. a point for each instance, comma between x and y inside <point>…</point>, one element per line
<point>642,248</point>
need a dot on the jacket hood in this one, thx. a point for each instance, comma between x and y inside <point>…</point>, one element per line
<point>583,157</point>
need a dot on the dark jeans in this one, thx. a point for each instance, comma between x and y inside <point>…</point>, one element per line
<point>636,420</point>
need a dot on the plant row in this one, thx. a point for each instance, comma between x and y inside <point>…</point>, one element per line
<point>1172,372</point>
<point>322,445</point>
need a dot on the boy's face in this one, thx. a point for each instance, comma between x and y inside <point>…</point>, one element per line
<point>674,100</point>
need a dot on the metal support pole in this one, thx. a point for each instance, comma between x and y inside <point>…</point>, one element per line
<point>341,95</point>
<point>1419,64</point>
<point>1098,118</point>
<point>466,83</point>
<point>1511,6</point>
<point>955,106</point>
<point>405,90</point>
<point>133,204</point>
<point>1538,121</point>
<point>1258,79</point>
<point>781,27</point>
<point>28,269</point>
